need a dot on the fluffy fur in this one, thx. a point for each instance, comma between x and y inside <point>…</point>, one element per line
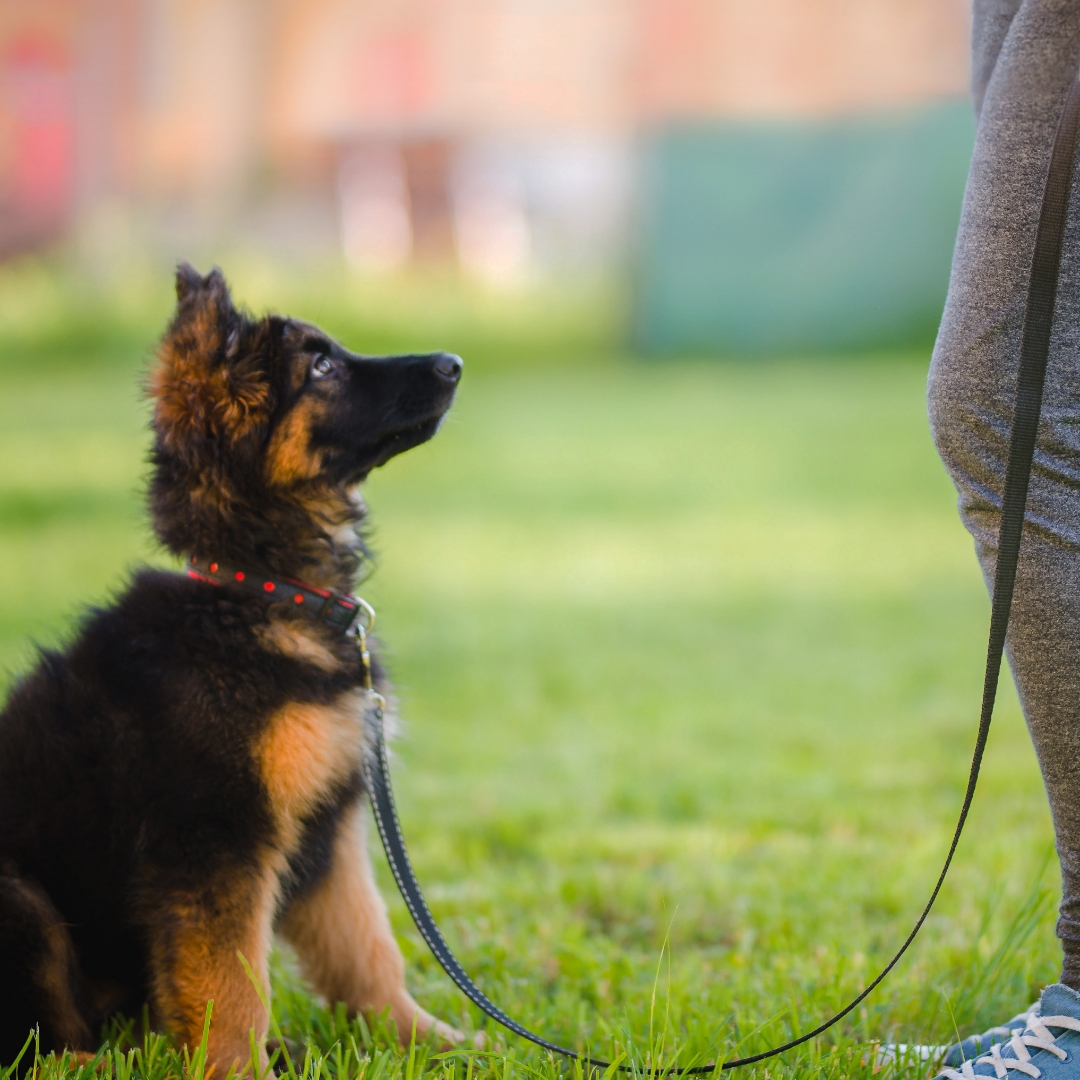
<point>185,778</point>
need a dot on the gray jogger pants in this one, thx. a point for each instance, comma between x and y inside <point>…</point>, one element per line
<point>1025,53</point>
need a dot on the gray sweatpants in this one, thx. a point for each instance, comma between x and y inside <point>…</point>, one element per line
<point>1025,54</point>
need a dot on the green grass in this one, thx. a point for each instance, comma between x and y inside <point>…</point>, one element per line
<point>688,654</point>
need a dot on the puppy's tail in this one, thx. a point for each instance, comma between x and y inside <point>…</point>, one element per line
<point>40,983</point>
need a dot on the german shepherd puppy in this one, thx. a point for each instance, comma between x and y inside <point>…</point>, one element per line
<point>186,777</point>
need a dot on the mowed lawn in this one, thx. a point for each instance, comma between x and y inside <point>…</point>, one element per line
<point>689,657</point>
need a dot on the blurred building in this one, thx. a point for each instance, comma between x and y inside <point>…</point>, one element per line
<point>502,134</point>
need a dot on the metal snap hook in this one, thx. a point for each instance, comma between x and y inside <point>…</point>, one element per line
<point>367,610</point>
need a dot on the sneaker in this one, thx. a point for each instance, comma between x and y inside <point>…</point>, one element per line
<point>1048,1048</point>
<point>905,1054</point>
<point>974,1045</point>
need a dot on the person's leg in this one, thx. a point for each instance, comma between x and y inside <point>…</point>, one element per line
<point>990,23</point>
<point>971,385</point>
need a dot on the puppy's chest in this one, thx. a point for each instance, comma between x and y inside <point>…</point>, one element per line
<point>308,755</point>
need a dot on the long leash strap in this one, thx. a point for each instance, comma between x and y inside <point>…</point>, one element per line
<point>1034,349</point>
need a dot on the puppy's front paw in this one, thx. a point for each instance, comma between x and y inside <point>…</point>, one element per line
<point>406,1012</point>
<point>89,1057</point>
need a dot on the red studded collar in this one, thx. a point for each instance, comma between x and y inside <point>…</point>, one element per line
<point>338,610</point>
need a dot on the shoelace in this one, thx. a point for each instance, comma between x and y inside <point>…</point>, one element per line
<point>1035,1035</point>
<point>1003,1033</point>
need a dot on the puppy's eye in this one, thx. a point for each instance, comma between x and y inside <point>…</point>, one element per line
<point>322,366</point>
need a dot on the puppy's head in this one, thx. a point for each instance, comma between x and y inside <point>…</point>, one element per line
<point>262,424</point>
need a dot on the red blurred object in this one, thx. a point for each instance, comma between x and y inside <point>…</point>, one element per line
<point>38,103</point>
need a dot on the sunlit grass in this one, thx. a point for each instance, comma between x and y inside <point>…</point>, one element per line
<point>686,652</point>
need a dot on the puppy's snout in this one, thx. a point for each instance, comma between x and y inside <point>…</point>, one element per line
<point>448,367</point>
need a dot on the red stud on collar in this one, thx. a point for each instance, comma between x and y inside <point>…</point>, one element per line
<point>336,610</point>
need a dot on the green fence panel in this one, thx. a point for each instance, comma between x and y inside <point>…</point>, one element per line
<point>758,238</point>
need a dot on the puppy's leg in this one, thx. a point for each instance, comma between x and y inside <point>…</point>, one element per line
<point>194,940</point>
<point>342,936</point>
<point>39,975</point>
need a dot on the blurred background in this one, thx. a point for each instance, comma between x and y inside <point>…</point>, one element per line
<point>754,176</point>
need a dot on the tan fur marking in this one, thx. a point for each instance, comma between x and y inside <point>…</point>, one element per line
<point>194,390</point>
<point>243,407</point>
<point>306,751</point>
<point>289,457</point>
<point>297,641</point>
<point>194,960</point>
<point>344,942</point>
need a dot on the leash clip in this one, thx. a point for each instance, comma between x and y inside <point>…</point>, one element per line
<point>364,612</point>
<point>361,631</point>
<point>379,702</point>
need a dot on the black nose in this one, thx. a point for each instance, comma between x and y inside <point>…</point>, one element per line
<point>448,366</point>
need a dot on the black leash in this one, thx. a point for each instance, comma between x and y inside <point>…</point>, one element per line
<point>1034,348</point>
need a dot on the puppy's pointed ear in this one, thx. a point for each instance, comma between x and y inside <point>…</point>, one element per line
<point>210,378</point>
<point>188,281</point>
<point>208,296</point>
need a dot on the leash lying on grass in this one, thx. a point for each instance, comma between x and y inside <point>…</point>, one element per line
<point>1034,349</point>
